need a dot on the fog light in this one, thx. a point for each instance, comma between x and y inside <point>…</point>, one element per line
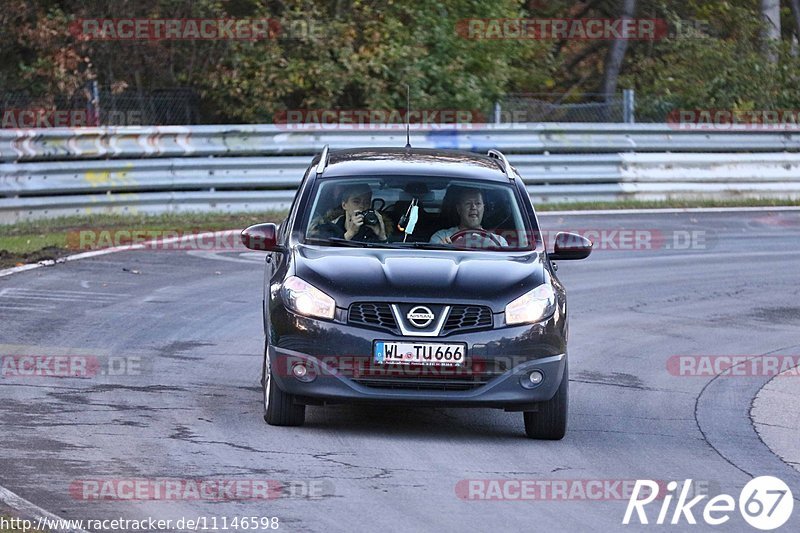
<point>531,379</point>
<point>299,371</point>
<point>303,372</point>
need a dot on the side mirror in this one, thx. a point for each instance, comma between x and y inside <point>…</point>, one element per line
<point>571,246</point>
<point>262,237</point>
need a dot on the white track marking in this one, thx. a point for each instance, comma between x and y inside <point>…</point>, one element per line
<point>33,511</point>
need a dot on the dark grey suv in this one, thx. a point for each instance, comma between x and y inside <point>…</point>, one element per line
<point>414,277</point>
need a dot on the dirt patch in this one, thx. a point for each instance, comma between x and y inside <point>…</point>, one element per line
<point>50,253</point>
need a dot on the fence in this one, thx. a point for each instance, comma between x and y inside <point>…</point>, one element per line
<point>129,106</point>
<point>46,173</point>
<point>552,107</point>
<point>93,106</point>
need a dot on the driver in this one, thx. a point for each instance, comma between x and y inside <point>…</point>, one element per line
<point>469,206</point>
<point>347,221</point>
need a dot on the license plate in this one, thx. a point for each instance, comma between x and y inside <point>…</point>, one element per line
<point>420,353</point>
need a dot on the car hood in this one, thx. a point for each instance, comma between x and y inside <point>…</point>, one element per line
<point>390,275</point>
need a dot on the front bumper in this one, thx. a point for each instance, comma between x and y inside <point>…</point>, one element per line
<point>504,391</point>
<point>337,355</point>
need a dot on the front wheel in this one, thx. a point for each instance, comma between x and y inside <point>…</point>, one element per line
<point>550,421</point>
<point>279,407</point>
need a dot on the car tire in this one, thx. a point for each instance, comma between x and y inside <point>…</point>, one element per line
<point>280,408</point>
<point>550,421</point>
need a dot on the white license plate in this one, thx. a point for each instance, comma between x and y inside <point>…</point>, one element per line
<point>420,353</point>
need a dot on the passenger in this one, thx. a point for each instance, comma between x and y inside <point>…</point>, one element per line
<point>347,221</point>
<point>470,207</point>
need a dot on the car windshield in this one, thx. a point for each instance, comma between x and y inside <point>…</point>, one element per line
<point>414,212</point>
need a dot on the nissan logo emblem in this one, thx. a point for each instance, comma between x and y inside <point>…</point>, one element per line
<point>420,317</point>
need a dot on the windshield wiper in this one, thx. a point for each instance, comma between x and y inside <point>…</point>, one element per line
<point>344,242</point>
<point>399,245</point>
<point>438,246</point>
<point>430,246</point>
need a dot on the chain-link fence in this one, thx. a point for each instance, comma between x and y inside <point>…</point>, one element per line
<point>550,107</point>
<point>581,107</point>
<point>92,106</point>
<point>95,106</point>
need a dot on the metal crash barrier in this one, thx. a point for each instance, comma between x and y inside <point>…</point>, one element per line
<point>58,172</point>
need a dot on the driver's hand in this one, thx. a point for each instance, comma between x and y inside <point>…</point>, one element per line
<point>447,240</point>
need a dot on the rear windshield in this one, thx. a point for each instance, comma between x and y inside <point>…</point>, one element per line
<point>407,211</point>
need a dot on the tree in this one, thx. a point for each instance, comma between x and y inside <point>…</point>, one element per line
<point>795,5</point>
<point>616,54</point>
<point>771,33</point>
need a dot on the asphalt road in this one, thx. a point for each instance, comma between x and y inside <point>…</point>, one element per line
<point>191,408</point>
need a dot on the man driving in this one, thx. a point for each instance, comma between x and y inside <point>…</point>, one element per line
<point>470,207</point>
<point>347,221</point>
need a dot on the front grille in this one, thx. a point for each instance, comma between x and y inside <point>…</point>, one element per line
<point>376,315</point>
<point>467,317</point>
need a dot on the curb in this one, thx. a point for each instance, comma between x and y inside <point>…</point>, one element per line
<point>33,512</point>
<point>774,419</point>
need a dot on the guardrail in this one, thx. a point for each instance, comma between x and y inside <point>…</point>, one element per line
<point>231,168</point>
<point>197,141</point>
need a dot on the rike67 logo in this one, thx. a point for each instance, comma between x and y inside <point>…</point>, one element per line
<point>766,503</point>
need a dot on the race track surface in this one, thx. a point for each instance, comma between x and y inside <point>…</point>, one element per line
<point>191,324</point>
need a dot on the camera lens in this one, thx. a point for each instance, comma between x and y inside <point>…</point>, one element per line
<point>370,218</point>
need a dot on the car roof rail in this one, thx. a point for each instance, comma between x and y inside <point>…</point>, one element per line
<point>497,154</point>
<point>323,160</point>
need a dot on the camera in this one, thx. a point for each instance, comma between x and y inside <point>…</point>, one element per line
<point>370,217</point>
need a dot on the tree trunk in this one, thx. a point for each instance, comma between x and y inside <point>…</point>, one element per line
<point>796,12</point>
<point>771,15</point>
<point>616,55</point>
<point>796,38</point>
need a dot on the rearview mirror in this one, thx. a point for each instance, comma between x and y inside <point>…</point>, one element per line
<point>262,237</point>
<point>570,246</point>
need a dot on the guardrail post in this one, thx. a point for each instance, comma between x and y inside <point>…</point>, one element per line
<point>629,106</point>
<point>94,105</point>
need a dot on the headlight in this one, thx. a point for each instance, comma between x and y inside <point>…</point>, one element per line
<point>305,299</point>
<point>533,306</point>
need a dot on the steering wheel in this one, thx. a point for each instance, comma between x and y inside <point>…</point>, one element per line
<point>460,238</point>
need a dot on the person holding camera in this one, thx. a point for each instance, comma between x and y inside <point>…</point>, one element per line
<point>356,220</point>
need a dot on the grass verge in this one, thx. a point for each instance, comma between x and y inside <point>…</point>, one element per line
<point>41,240</point>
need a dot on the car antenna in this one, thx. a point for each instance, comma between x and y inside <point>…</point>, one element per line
<point>408,117</point>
